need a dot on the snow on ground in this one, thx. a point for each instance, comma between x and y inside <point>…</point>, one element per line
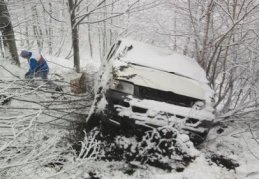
<point>236,142</point>
<point>227,144</point>
<point>240,143</point>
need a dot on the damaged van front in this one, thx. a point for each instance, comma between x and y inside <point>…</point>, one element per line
<point>144,86</point>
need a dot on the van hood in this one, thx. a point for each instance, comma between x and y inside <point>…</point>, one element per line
<point>163,81</point>
<point>143,54</point>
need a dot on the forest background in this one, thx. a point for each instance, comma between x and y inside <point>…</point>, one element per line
<point>222,35</point>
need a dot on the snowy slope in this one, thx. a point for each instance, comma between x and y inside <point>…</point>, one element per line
<point>236,142</point>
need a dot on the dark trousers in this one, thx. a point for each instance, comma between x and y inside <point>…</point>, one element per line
<point>43,75</point>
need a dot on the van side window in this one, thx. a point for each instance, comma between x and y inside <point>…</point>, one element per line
<point>114,48</point>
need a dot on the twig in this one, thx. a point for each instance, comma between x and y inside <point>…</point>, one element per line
<point>50,14</point>
<point>71,168</point>
<point>26,163</point>
<point>10,72</point>
<point>8,144</point>
<point>249,148</point>
<point>66,108</point>
<point>254,138</point>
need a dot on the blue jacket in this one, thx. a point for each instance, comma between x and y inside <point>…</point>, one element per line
<point>37,64</point>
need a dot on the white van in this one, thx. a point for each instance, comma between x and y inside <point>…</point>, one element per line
<point>140,85</point>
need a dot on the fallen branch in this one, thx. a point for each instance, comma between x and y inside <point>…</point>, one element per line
<point>25,129</point>
<point>253,137</point>
<point>10,72</point>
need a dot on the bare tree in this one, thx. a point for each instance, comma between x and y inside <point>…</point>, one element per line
<point>75,36</point>
<point>221,35</point>
<point>8,34</point>
<point>97,12</point>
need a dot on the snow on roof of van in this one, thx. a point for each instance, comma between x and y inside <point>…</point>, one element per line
<point>161,59</point>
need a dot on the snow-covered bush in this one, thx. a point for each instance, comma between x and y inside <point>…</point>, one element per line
<point>90,147</point>
<point>164,147</point>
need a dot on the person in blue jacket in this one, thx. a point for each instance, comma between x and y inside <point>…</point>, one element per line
<point>38,65</point>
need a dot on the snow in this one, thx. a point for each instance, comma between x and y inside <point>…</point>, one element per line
<point>161,59</point>
<point>156,109</point>
<point>199,169</point>
<point>229,146</point>
<point>236,142</point>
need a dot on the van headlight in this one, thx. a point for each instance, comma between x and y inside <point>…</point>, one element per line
<point>199,105</point>
<point>122,86</point>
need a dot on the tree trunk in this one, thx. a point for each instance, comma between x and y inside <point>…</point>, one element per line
<point>105,34</point>
<point>1,47</point>
<point>89,38</point>
<point>50,31</point>
<point>90,41</point>
<point>62,32</point>
<point>36,28</point>
<point>111,35</point>
<point>8,34</point>
<point>100,42</point>
<point>75,36</point>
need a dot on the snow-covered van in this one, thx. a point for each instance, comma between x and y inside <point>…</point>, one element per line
<point>140,85</point>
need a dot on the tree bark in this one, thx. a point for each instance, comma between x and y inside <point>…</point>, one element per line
<point>75,36</point>
<point>50,31</point>
<point>89,38</point>
<point>8,34</point>
<point>1,47</point>
<point>36,28</point>
<point>90,41</point>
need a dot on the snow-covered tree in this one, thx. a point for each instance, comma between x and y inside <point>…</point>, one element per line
<point>8,38</point>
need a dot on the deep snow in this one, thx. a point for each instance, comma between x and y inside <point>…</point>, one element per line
<point>236,142</point>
